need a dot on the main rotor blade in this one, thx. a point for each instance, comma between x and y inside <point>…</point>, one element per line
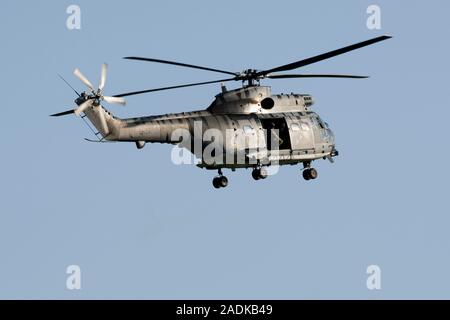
<point>324,56</point>
<point>103,76</point>
<point>181,64</point>
<point>83,79</point>
<point>83,107</point>
<point>288,76</point>
<point>64,113</point>
<point>173,87</point>
<point>114,100</point>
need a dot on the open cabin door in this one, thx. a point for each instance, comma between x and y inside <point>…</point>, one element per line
<point>301,133</point>
<point>276,133</point>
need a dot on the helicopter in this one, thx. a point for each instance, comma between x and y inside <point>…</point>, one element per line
<point>248,127</point>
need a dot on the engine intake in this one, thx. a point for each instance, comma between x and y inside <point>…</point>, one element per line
<point>307,100</point>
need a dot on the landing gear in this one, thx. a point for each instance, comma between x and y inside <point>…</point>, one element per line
<point>309,173</point>
<point>259,173</point>
<point>220,181</point>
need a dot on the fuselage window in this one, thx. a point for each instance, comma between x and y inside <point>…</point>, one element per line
<point>248,129</point>
<point>295,127</point>
<point>319,122</point>
<point>305,126</point>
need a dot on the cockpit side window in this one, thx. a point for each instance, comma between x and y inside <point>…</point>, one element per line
<point>320,123</point>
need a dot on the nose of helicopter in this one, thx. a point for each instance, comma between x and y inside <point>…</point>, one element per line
<point>331,140</point>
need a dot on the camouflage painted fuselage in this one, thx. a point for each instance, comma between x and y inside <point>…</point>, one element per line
<point>246,118</point>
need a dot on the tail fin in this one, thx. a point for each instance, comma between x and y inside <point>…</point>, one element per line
<point>106,124</point>
<point>103,121</point>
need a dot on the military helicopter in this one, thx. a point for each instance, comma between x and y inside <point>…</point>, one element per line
<point>250,127</point>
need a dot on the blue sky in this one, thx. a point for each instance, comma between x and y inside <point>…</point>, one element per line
<point>141,227</point>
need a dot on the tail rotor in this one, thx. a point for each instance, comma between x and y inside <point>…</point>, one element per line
<point>92,98</point>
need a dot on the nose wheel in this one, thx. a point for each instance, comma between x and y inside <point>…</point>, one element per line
<point>220,181</point>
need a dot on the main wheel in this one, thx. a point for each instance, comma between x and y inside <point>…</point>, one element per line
<point>260,173</point>
<point>310,174</point>
<point>216,182</point>
<point>263,173</point>
<point>313,173</point>
<point>255,174</point>
<point>223,181</point>
<point>306,174</point>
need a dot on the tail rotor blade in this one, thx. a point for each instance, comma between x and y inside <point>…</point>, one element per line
<point>64,113</point>
<point>83,79</point>
<point>83,107</point>
<point>114,100</point>
<point>103,76</point>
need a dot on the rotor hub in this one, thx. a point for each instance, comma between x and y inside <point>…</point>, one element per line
<point>250,76</point>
